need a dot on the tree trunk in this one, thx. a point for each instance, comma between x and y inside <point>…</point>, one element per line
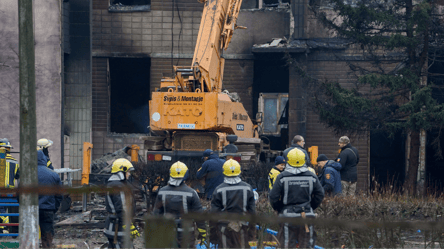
<point>410,182</point>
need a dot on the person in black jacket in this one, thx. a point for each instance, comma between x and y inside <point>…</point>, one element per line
<point>297,192</point>
<point>116,206</point>
<point>212,171</point>
<point>48,204</point>
<point>233,196</point>
<point>298,142</point>
<point>177,199</point>
<point>348,158</point>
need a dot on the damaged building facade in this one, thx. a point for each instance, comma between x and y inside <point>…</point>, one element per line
<point>116,52</point>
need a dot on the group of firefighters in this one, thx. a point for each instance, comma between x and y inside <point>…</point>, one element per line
<point>295,191</point>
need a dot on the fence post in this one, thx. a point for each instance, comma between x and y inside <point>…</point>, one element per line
<point>29,204</point>
<point>159,232</point>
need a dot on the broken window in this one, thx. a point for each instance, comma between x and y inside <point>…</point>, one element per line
<point>129,5</point>
<point>130,93</point>
<point>271,78</point>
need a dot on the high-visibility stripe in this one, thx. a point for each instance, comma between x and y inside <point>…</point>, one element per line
<point>224,237</point>
<point>285,213</point>
<point>122,196</point>
<point>48,163</point>
<point>7,173</point>
<point>286,234</point>
<point>110,201</point>
<point>245,201</point>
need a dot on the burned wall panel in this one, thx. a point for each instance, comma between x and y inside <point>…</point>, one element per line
<point>303,119</point>
<point>238,77</point>
<point>100,105</point>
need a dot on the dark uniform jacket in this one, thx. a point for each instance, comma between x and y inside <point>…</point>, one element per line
<point>234,198</point>
<point>307,157</point>
<point>177,201</point>
<point>12,171</point>
<point>116,206</point>
<point>47,177</point>
<point>212,169</point>
<point>330,178</point>
<point>296,190</point>
<point>349,158</point>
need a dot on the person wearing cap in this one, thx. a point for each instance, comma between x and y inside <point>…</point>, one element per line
<point>115,204</point>
<point>43,144</point>
<point>348,157</point>
<point>233,196</point>
<point>12,175</point>
<point>297,192</point>
<point>178,199</point>
<point>212,171</point>
<point>48,204</point>
<point>279,166</point>
<point>328,174</point>
<point>298,142</point>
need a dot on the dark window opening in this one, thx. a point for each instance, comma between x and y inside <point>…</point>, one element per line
<point>387,161</point>
<point>129,5</point>
<point>271,75</point>
<point>130,93</point>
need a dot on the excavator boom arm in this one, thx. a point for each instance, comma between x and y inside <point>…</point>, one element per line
<point>216,29</point>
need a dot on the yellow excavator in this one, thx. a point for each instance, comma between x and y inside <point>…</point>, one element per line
<point>190,112</point>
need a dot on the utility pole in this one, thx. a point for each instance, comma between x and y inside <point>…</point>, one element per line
<point>29,206</point>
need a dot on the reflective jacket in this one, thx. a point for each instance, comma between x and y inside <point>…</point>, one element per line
<point>47,177</point>
<point>12,171</point>
<point>296,190</point>
<point>330,178</point>
<point>212,169</point>
<point>177,201</point>
<point>234,198</point>
<point>349,158</point>
<point>274,172</point>
<point>307,157</point>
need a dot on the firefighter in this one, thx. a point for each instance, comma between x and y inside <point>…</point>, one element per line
<point>298,142</point>
<point>177,199</point>
<point>115,204</point>
<point>279,166</point>
<point>212,170</point>
<point>297,192</point>
<point>48,204</point>
<point>12,174</point>
<point>233,196</point>
<point>43,144</point>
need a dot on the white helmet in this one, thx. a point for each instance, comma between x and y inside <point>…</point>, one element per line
<point>43,143</point>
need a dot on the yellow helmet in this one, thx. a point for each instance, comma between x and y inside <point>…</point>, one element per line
<point>296,157</point>
<point>122,165</point>
<point>178,170</point>
<point>231,168</point>
<point>43,143</point>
